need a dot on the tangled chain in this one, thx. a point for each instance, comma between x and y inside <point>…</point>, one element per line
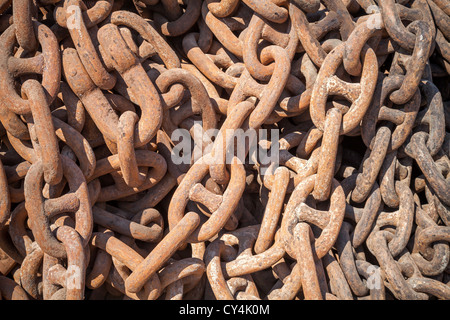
<point>94,205</point>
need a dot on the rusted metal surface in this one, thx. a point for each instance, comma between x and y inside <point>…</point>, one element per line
<point>96,204</point>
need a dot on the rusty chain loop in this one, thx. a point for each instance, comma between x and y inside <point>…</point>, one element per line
<point>119,178</point>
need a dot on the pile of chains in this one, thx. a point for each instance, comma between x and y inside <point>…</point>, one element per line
<point>94,205</point>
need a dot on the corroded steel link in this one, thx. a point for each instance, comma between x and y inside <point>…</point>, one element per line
<point>132,176</point>
<point>268,94</point>
<point>183,23</point>
<point>214,271</point>
<point>74,275</point>
<point>430,286</point>
<point>10,290</point>
<point>204,64</point>
<point>273,210</point>
<point>162,252</point>
<point>419,151</point>
<point>131,228</point>
<point>386,180</point>
<point>258,70</point>
<point>328,153</point>
<point>223,30</point>
<point>378,244</point>
<point>371,164</point>
<point>131,259</point>
<point>223,275</point>
<point>237,286</point>
<point>29,272</point>
<point>303,168</point>
<point>5,202</point>
<point>254,263</point>
<point>308,6</point>
<point>305,35</point>
<point>441,19</point>
<point>84,42</point>
<point>149,34</point>
<point>416,63</point>
<point>228,205</point>
<point>18,231</point>
<point>380,110</point>
<point>403,219</point>
<point>305,258</point>
<point>4,5</point>
<point>327,83</point>
<point>369,213</point>
<point>142,89</point>
<point>93,99</point>
<point>395,27</point>
<point>366,270</point>
<point>245,263</point>
<point>22,15</point>
<point>39,209</point>
<point>364,34</point>
<point>138,137</point>
<point>428,263</point>
<point>235,119</point>
<point>338,283</point>
<point>200,102</point>
<point>111,164</point>
<point>78,144</point>
<point>100,268</point>
<point>268,9</point>
<point>309,142</point>
<point>348,261</point>
<point>223,8</point>
<point>186,272</point>
<point>433,117</point>
<point>345,19</point>
<point>297,211</point>
<point>45,133</point>
<point>430,235</point>
<point>48,64</point>
<point>172,8</point>
<point>76,115</point>
<point>92,15</point>
<point>224,150</point>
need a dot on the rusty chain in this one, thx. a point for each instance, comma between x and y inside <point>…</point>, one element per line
<point>349,100</point>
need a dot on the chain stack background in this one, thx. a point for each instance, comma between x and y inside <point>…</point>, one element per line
<point>93,205</point>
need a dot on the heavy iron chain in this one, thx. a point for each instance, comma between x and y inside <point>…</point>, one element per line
<point>94,205</point>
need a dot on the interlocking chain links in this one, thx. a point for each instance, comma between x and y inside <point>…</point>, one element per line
<point>149,34</point>
<point>46,63</point>
<point>334,123</point>
<point>41,210</point>
<point>421,149</point>
<point>329,221</point>
<point>222,274</point>
<point>85,46</point>
<point>181,24</point>
<point>120,189</point>
<point>162,252</point>
<point>72,278</point>
<point>434,261</point>
<point>94,206</point>
<point>131,259</point>
<point>391,19</point>
<point>228,203</point>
